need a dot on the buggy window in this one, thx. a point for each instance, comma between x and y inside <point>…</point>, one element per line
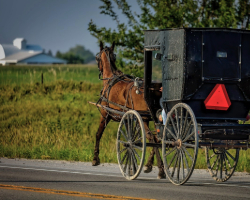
<point>156,68</point>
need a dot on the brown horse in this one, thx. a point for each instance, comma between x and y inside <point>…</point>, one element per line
<point>119,91</point>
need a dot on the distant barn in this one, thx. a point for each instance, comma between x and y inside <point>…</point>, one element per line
<point>22,53</point>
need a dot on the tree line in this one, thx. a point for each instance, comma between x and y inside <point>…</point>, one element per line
<point>76,55</point>
<point>161,14</point>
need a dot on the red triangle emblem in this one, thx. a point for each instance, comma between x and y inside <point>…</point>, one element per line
<point>218,98</point>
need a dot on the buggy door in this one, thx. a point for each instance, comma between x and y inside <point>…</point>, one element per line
<point>221,55</point>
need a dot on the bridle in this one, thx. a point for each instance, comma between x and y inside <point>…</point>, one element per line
<point>111,58</point>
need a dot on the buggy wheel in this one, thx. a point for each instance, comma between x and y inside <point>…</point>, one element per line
<point>131,145</point>
<point>221,163</point>
<point>180,144</point>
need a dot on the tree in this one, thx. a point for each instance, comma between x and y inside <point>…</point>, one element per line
<point>85,54</point>
<point>70,57</point>
<point>77,55</point>
<point>50,53</point>
<point>161,14</point>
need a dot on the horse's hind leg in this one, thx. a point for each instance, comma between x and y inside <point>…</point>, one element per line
<point>161,173</point>
<point>148,167</point>
<point>155,150</point>
<point>102,126</point>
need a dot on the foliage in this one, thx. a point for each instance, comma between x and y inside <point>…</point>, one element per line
<point>77,55</point>
<point>161,14</point>
<point>79,50</point>
<point>70,57</point>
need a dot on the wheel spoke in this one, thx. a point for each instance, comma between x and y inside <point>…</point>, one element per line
<point>123,159</point>
<point>187,129</point>
<point>129,127</point>
<point>182,165</point>
<point>217,166</point>
<point>177,121</point>
<point>181,122</point>
<point>135,166</point>
<point>177,158</point>
<point>228,162</point>
<point>172,150</point>
<point>224,163</point>
<point>138,132</point>
<point>230,155</point>
<point>185,123</point>
<point>171,133</point>
<point>170,163</point>
<point>123,135</point>
<point>212,156</point>
<point>120,141</point>
<point>188,145</point>
<point>136,154</point>
<point>188,137</point>
<point>133,162</point>
<point>178,166</point>
<point>185,159</point>
<point>126,128</point>
<point>138,140</point>
<point>135,125</point>
<point>139,148</point>
<point>187,153</point>
<point>172,121</point>
<point>214,162</point>
<point>221,166</point>
<point>121,151</point>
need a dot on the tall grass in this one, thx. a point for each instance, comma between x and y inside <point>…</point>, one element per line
<point>54,121</point>
<point>10,75</point>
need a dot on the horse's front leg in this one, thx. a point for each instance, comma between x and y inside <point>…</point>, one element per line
<point>103,123</point>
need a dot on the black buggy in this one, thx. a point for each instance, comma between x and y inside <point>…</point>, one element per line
<point>205,75</point>
<point>206,91</point>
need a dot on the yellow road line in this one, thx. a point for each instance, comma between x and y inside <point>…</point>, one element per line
<point>69,193</point>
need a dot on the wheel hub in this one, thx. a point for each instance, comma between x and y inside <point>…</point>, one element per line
<point>177,143</point>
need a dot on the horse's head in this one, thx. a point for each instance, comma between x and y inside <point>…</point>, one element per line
<point>106,60</point>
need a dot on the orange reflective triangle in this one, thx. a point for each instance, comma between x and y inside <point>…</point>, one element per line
<point>218,98</point>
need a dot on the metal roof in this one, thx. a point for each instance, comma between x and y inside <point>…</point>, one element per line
<point>21,56</point>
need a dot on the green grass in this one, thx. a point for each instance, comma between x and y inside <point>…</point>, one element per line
<point>54,120</point>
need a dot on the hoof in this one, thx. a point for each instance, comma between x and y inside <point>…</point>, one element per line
<point>147,169</point>
<point>161,175</point>
<point>96,162</point>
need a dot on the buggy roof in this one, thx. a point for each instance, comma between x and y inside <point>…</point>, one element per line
<point>200,29</point>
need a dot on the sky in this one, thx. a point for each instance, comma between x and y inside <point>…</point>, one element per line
<point>54,24</point>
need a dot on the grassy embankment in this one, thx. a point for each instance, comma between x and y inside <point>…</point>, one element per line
<point>54,120</point>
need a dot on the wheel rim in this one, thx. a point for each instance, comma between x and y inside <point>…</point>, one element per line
<point>221,163</point>
<point>180,144</point>
<point>131,145</point>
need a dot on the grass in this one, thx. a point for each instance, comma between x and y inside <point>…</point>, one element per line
<point>54,121</point>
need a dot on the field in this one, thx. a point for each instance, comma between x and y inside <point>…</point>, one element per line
<point>53,120</point>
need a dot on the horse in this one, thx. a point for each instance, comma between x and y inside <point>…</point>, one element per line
<point>116,89</point>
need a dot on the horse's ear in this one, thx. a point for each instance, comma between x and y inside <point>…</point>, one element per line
<point>101,46</point>
<point>113,46</point>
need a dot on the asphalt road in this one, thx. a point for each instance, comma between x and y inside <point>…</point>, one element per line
<point>42,179</point>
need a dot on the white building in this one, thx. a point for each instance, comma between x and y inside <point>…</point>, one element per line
<point>22,53</point>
